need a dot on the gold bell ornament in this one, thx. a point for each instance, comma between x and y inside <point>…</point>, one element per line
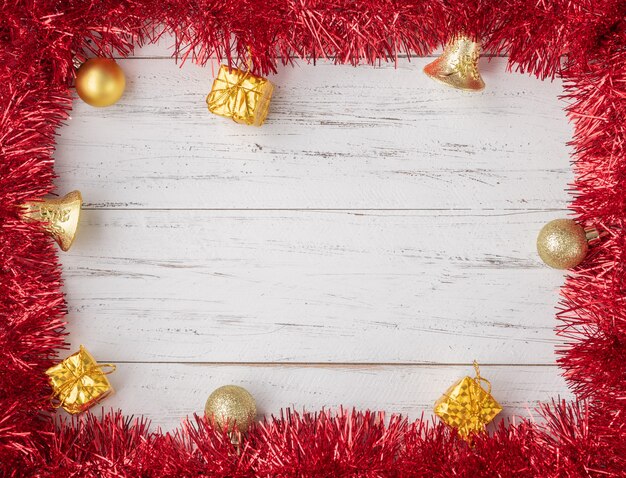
<point>563,243</point>
<point>100,82</point>
<point>59,217</point>
<point>458,65</point>
<point>467,406</point>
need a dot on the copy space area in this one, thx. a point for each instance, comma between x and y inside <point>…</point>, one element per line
<point>361,248</point>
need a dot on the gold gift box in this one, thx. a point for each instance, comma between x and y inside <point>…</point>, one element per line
<point>79,382</point>
<point>467,406</point>
<point>241,96</point>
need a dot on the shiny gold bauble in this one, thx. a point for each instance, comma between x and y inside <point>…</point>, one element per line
<point>562,244</point>
<point>100,82</point>
<point>231,405</point>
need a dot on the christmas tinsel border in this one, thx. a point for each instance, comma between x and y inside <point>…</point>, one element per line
<point>582,41</point>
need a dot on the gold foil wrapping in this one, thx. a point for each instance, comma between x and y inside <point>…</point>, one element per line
<point>467,406</point>
<point>240,95</point>
<point>79,382</point>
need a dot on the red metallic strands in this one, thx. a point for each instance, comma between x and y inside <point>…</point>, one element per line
<point>583,41</point>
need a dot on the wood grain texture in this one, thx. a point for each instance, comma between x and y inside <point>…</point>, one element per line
<point>166,393</point>
<point>336,137</point>
<point>361,248</point>
<point>312,286</point>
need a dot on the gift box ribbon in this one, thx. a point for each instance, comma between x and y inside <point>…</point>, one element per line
<point>234,89</point>
<point>78,373</point>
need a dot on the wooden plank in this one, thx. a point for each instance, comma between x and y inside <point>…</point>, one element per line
<point>166,393</point>
<point>337,137</point>
<point>312,286</point>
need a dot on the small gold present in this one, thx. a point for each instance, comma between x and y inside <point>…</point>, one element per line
<point>240,95</point>
<point>79,382</point>
<point>467,406</point>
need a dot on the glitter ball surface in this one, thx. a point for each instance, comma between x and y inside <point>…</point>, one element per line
<point>562,244</point>
<point>229,405</point>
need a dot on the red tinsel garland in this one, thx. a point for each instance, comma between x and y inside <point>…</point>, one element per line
<point>583,41</point>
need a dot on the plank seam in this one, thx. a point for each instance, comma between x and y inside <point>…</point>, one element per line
<point>334,364</point>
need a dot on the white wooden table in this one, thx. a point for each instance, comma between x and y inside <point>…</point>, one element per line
<point>367,243</point>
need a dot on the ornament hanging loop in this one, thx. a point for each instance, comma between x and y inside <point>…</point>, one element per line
<point>107,368</point>
<point>235,440</point>
<point>592,235</point>
<point>479,379</point>
<point>249,59</point>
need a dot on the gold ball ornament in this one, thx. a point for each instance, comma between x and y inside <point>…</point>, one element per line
<point>100,82</point>
<point>562,244</point>
<point>230,405</point>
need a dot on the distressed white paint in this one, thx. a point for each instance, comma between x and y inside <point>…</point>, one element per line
<point>313,286</point>
<point>336,137</point>
<point>378,219</point>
